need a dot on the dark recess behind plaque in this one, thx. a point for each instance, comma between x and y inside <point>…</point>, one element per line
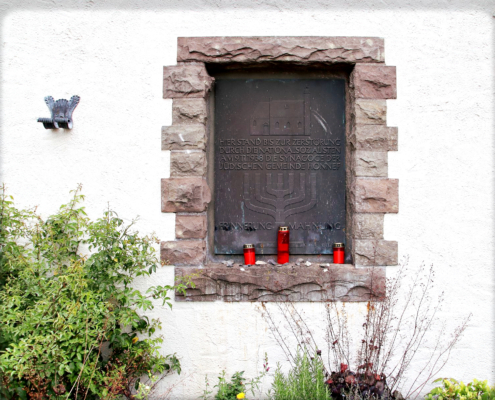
<point>279,160</point>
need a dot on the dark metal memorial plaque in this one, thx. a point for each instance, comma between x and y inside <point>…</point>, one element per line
<point>279,161</point>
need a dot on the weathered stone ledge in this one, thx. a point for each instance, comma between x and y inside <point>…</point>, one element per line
<point>302,50</point>
<point>333,282</point>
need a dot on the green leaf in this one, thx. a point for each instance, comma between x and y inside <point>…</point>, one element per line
<point>62,305</point>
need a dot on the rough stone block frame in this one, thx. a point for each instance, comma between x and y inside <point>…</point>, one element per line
<point>370,193</point>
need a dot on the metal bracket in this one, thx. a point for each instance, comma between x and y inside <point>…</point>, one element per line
<point>61,111</point>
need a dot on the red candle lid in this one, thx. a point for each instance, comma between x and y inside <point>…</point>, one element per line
<point>338,245</point>
<point>249,246</point>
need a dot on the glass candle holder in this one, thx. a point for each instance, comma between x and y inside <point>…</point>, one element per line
<point>338,253</point>
<point>249,254</point>
<point>283,245</point>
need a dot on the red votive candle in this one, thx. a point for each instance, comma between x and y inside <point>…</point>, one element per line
<point>249,254</point>
<point>338,253</point>
<point>283,245</point>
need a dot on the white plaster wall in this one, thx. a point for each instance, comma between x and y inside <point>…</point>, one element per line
<point>111,53</point>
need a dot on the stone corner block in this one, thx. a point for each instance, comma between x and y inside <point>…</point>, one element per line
<point>190,226</point>
<point>185,194</point>
<point>371,163</point>
<point>376,252</point>
<point>184,137</point>
<point>187,163</point>
<point>370,112</point>
<point>186,80</point>
<point>374,81</point>
<point>183,252</point>
<point>189,111</point>
<point>376,195</point>
<point>375,138</point>
<point>368,226</point>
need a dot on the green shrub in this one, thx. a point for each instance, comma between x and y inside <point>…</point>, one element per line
<point>69,320</point>
<point>238,387</point>
<point>230,390</point>
<point>451,389</point>
<point>306,380</point>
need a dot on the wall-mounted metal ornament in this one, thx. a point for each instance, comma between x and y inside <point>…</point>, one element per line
<point>61,111</point>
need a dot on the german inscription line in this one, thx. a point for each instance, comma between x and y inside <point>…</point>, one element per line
<point>280,154</point>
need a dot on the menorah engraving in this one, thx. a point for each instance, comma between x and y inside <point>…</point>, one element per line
<point>280,211</point>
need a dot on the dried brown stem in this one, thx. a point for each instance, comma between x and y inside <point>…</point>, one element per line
<point>394,332</point>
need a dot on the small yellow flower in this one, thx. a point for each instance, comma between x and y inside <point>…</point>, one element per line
<point>135,340</point>
<point>241,396</point>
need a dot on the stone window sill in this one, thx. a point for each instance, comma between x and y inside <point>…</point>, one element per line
<point>318,282</point>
